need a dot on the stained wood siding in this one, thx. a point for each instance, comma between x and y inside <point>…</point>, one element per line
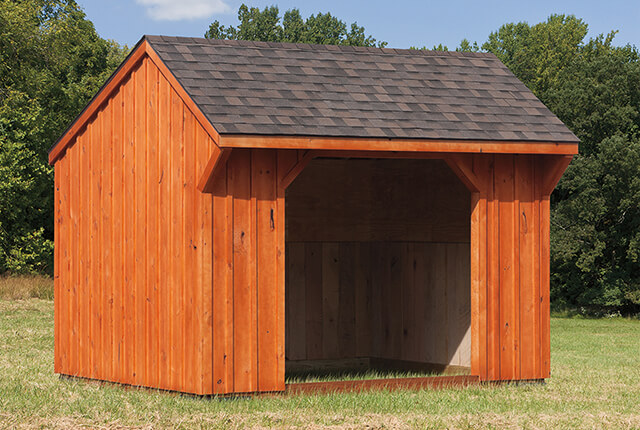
<point>509,267</point>
<point>160,285</point>
<point>248,284</point>
<point>134,243</point>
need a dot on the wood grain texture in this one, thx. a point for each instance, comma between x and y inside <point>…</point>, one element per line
<point>223,357</point>
<point>57,293</point>
<point>118,249</point>
<point>131,277</point>
<point>244,331</point>
<point>390,145</point>
<point>512,317</point>
<point>348,311</point>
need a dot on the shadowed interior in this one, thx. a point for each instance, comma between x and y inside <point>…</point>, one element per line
<point>377,268</point>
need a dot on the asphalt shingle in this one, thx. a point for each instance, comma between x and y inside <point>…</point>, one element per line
<point>339,91</point>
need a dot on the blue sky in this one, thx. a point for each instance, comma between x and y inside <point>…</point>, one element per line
<point>401,23</point>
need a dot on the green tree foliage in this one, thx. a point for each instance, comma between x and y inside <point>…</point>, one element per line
<point>465,46</point>
<point>598,94</point>
<point>538,54</point>
<point>51,63</point>
<point>594,87</point>
<point>264,25</point>
<point>596,229</point>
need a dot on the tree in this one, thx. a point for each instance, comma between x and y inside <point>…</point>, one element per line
<point>598,93</point>
<point>596,229</point>
<point>51,63</point>
<point>537,54</point>
<point>594,88</point>
<point>265,26</point>
<point>465,46</point>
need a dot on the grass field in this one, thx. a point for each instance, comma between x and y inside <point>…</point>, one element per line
<point>595,383</point>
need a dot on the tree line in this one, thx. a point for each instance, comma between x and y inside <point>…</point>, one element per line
<point>52,62</point>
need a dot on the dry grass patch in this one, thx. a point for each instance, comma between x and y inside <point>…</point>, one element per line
<point>22,287</point>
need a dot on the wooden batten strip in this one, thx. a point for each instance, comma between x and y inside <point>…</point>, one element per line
<point>57,290</point>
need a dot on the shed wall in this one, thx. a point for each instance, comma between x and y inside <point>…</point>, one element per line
<point>510,265</point>
<point>249,272</point>
<point>134,243</point>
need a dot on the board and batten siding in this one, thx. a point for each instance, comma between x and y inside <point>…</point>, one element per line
<point>160,285</point>
<point>134,243</point>
<point>510,265</point>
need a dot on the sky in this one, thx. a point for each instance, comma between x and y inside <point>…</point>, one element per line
<point>401,23</point>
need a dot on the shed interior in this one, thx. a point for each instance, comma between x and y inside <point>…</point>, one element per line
<point>377,268</point>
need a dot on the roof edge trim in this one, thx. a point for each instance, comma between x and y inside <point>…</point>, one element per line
<point>396,145</point>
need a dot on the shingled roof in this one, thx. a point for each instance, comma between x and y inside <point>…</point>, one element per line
<point>287,89</point>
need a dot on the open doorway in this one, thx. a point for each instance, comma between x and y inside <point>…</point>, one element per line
<point>377,268</point>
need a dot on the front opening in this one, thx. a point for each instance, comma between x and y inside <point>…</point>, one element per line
<point>377,270</point>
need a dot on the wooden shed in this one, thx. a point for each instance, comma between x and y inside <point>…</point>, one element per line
<point>416,191</point>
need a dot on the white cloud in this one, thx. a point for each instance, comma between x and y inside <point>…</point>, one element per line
<point>179,10</point>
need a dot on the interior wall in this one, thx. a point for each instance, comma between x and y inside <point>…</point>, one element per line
<point>378,262</point>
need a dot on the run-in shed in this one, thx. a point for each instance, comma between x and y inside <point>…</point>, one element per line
<point>416,186</point>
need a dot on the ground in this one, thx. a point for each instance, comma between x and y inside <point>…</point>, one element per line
<point>595,383</point>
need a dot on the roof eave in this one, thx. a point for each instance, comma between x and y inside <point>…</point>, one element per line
<point>396,145</point>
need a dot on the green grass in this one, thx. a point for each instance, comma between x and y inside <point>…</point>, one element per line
<point>595,383</point>
<point>352,375</point>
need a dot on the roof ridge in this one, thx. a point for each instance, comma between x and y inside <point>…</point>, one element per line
<point>313,46</point>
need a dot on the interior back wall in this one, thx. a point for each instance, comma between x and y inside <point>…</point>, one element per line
<point>378,262</point>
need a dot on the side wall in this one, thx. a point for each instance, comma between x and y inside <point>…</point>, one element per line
<point>249,272</point>
<point>134,243</point>
<point>510,265</point>
<point>378,262</point>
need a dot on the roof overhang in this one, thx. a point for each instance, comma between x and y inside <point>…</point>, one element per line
<point>380,147</point>
<point>354,147</point>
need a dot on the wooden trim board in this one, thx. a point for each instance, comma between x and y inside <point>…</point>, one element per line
<point>403,145</point>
